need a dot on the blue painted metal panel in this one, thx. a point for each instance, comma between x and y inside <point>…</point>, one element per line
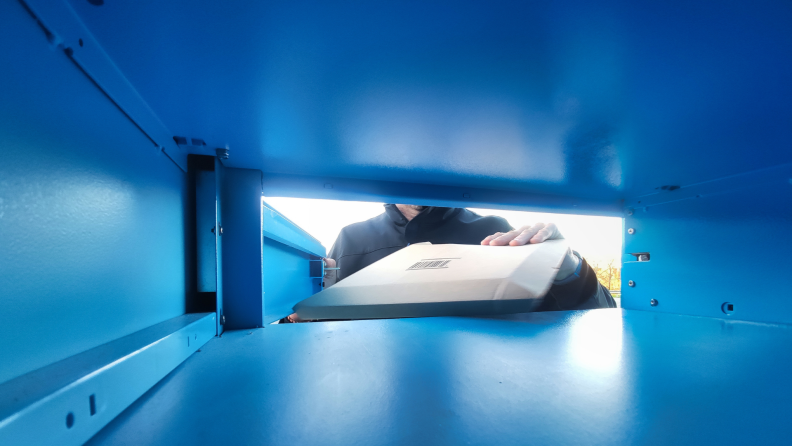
<point>609,377</point>
<point>267,257</point>
<point>719,242</point>
<point>220,185</point>
<point>289,256</point>
<point>243,293</point>
<point>65,31</point>
<point>207,175</point>
<point>279,228</point>
<point>578,99</point>
<point>69,401</point>
<point>92,226</point>
<point>287,278</point>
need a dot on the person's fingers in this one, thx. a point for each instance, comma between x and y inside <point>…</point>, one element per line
<point>504,239</point>
<point>527,232</point>
<point>489,238</point>
<point>537,233</point>
<point>549,232</point>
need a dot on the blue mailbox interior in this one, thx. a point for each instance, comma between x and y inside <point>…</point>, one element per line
<point>676,116</point>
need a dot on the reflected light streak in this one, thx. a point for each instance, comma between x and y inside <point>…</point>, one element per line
<point>595,341</point>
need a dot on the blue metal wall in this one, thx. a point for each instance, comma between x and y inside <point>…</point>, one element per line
<point>287,278</point>
<point>724,242</point>
<point>92,238</point>
<point>243,293</point>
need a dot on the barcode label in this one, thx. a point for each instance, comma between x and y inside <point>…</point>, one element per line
<point>430,264</point>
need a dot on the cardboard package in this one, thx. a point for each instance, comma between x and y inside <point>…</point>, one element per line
<point>442,280</point>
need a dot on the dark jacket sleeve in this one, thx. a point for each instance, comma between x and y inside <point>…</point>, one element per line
<point>581,294</point>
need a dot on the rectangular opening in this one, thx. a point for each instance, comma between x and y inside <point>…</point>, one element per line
<point>597,239</point>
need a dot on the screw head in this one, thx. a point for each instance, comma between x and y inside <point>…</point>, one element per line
<point>631,283</point>
<point>631,231</point>
<point>653,302</point>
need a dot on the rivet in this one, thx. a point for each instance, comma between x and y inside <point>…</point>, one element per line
<point>653,302</point>
<point>631,283</point>
<point>631,231</point>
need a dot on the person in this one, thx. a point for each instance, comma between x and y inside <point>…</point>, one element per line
<point>360,244</point>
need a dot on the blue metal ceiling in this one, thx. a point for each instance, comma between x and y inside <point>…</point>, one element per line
<point>595,101</point>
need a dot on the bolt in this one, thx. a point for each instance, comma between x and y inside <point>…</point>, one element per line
<point>631,231</point>
<point>653,302</point>
<point>631,283</point>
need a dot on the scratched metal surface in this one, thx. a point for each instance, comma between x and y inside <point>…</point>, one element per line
<point>590,377</point>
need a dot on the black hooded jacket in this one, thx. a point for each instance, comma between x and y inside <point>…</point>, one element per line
<point>361,244</point>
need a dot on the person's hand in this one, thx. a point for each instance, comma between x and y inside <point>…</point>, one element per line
<point>329,263</point>
<point>292,318</point>
<point>536,233</point>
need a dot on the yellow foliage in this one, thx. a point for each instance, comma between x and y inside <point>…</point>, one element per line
<point>609,274</point>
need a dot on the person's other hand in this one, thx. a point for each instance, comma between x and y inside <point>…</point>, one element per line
<point>536,233</point>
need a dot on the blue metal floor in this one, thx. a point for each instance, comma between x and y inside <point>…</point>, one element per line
<point>590,377</point>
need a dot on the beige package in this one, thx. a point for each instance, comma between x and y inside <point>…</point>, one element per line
<point>424,280</point>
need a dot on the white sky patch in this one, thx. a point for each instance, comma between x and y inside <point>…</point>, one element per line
<point>598,239</point>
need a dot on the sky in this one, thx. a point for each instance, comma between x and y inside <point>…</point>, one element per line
<point>598,239</point>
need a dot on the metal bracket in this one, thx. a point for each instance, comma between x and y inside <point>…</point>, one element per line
<point>69,401</point>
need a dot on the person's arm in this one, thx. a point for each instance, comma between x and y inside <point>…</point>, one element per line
<point>580,290</point>
<point>576,286</point>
